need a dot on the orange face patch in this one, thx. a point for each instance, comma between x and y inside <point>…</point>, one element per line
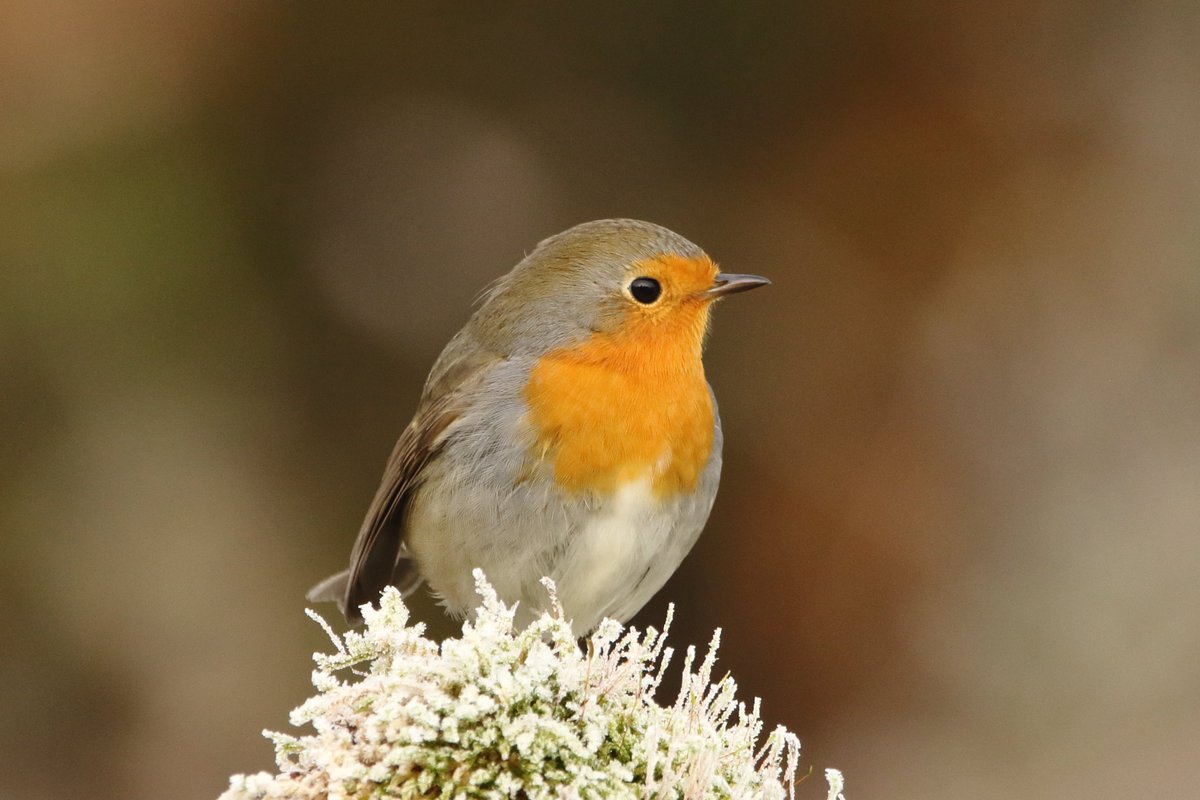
<point>633,402</point>
<point>681,277</point>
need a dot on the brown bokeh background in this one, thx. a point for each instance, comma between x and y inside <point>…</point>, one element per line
<point>957,545</point>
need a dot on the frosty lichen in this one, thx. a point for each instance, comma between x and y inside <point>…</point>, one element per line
<point>504,713</point>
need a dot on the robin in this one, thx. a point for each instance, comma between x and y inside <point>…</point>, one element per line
<point>566,431</point>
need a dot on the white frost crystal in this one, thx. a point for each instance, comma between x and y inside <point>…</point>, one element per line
<point>504,713</point>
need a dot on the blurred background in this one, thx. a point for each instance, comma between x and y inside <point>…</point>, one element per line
<point>957,545</point>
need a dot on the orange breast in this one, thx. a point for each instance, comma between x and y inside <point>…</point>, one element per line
<point>624,406</point>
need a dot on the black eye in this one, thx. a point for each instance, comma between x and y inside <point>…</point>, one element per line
<point>645,290</point>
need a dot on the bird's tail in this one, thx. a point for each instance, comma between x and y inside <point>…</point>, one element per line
<point>330,590</point>
<point>333,589</point>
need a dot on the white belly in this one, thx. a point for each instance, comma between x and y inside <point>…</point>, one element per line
<point>608,558</point>
<point>606,561</point>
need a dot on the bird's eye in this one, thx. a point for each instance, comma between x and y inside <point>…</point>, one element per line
<point>645,290</point>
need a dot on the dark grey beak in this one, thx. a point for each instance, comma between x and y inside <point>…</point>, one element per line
<point>729,283</point>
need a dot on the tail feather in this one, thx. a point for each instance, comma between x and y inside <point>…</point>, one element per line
<point>333,589</point>
<point>330,590</point>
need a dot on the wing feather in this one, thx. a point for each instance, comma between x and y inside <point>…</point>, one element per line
<point>379,557</point>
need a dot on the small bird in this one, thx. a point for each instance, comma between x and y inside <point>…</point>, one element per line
<point>566,431</point>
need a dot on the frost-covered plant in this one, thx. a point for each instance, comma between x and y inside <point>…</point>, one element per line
<point>505,713</point>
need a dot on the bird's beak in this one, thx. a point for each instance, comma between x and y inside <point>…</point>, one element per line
<point>729,283</point>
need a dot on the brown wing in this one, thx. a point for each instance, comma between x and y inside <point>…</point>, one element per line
<point>379,555</point>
